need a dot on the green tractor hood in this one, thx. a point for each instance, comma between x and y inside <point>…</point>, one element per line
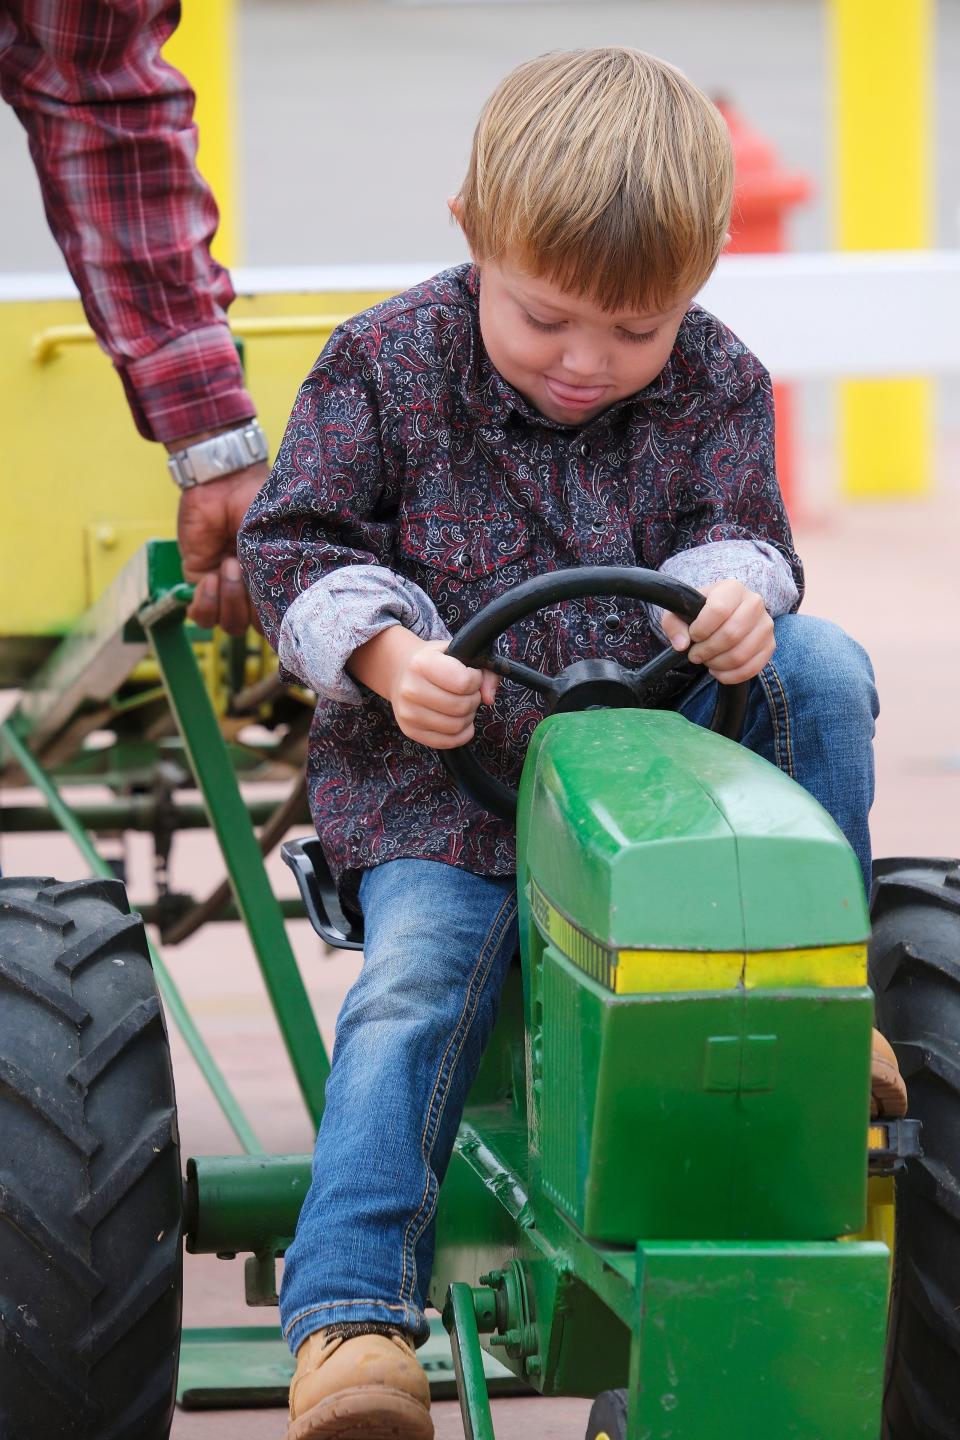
<point>648,832</point>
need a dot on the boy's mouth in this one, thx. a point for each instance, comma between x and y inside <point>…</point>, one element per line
<point>574,397</point>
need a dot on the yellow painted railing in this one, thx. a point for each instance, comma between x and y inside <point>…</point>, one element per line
<point>77,480</point>
<point>45,345</point>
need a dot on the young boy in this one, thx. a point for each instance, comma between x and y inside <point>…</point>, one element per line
<point>559,402</point>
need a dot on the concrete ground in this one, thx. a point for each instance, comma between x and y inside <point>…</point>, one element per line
<point>887,573</point>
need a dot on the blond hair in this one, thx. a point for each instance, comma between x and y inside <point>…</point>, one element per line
<point>605,171</point>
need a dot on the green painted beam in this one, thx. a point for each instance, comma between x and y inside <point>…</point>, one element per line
<point>134,812</point>
<point>460,1320</point>
<point>230,820</point>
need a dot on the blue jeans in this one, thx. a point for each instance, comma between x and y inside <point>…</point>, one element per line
<point>438,944</point>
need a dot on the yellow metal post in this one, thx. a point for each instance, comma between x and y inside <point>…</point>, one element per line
<point>203,47</point>
<point>883,75</point>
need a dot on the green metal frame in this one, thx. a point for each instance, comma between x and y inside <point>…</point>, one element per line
<point>230,821</point>
<point>223,1368</point>
<point>460,1320</point>
<point>173,1001</point>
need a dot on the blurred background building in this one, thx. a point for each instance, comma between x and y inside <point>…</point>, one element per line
<point>355,116</point>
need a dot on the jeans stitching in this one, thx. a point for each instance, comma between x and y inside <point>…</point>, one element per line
<point>403,1307</point>
<point>782,730</point>
<point>465,1019</point>
<point>787,723</point>
<point>772,710</point>
<point>487,951</point>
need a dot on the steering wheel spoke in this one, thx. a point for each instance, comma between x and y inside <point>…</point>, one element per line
<point>522,674</point>
<point>660,665</point>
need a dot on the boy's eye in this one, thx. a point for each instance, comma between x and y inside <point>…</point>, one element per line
<point>542,324</point>
<point>637,337</point>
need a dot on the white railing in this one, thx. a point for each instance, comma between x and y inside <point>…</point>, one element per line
<point>808,316</point>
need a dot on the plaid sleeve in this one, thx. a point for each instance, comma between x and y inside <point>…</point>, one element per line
<point>111,132</point>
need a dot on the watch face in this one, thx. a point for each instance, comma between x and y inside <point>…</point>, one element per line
<point>221,455</point>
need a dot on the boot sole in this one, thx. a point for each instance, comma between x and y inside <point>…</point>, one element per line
<point>361,1415</point>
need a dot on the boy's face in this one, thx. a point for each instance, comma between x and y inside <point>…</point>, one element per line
<point>564,354</point>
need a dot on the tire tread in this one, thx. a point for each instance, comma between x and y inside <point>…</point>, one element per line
<point>92,1226</point>
<point>915,972</point>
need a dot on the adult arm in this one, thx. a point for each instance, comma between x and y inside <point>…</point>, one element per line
<point>111,133</point>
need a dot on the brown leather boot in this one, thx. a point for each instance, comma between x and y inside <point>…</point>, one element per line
<point>888,1094</point>
<point>370,1387</point>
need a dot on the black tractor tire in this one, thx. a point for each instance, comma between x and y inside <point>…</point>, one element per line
<point>915,973</point>
<point>608,1416</point>
<point>90,1189</point>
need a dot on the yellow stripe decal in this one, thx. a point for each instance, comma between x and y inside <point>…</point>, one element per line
<point>832,966</point>
<point>654,972</point>
<point>588,954</point>
<point>657,972</point>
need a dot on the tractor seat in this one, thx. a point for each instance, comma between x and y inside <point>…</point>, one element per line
<point>306,859</point>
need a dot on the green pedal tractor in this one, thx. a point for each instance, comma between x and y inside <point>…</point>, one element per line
<point>659,1196</point>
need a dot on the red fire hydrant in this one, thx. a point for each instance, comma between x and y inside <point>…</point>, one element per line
<point>763,194</point>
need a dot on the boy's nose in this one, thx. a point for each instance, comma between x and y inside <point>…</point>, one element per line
<point>584,364</point>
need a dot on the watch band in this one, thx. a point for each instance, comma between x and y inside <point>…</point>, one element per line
<point>219,456</point>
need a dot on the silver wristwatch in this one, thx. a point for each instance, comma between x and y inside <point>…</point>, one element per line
<point>219,456</point>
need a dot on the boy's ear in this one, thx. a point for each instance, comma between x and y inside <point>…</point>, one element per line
<point>455,206</point>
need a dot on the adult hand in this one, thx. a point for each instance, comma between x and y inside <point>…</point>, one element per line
<point>732,635</point>
<point>207,523</point>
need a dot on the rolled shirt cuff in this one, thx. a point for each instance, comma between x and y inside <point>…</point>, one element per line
<point>757,565</point>
<point>341,612</point>
<point>192,384</point>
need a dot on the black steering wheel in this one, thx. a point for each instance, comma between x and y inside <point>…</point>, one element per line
<point>587,684</point>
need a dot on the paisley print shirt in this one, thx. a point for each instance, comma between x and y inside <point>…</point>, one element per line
<point>414,485</point>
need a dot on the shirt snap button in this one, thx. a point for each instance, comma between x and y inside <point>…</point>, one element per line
<point>598,527</point>
<point>612,622</point>
<point>585,449</point>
